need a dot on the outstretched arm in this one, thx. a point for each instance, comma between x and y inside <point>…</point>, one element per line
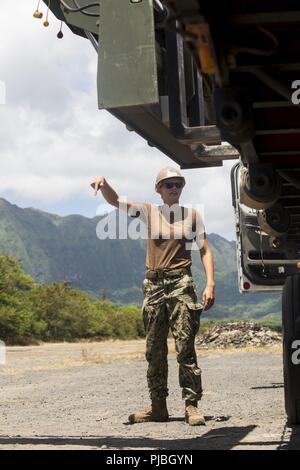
<point>208,296</point>
<point>107,191</point>
<point>110,195</point>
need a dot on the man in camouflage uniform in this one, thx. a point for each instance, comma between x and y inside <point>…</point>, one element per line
<point>170,301</point>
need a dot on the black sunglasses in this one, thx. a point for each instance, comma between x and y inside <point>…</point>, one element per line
<point>170,185</point>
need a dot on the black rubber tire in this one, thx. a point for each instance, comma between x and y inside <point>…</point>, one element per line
<point>291,332</point>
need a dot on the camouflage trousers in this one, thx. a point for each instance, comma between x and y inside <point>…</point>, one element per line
<point>171,303</point>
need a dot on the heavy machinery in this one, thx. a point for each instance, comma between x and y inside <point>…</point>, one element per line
<point>205,81</point>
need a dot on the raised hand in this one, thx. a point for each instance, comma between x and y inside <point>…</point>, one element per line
<point>98,183</point>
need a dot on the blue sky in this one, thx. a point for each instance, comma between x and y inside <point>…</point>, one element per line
<point>54,140</point>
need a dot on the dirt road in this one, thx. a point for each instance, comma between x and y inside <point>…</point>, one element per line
<point>78,396</point>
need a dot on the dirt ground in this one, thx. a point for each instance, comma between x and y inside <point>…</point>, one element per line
<point>78,396</point>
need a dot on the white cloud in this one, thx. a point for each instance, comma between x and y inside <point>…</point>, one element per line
<point>54,140</point>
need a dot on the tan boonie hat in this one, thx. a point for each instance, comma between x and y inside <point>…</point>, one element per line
<point>166,173</point>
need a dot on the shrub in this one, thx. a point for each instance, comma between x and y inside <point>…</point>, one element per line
<point>57,311</point>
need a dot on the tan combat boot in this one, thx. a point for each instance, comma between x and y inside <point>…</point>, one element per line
<point>193,415</point>
<point>156,412</point>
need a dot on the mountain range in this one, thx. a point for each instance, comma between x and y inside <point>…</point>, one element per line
<point>52,248</point>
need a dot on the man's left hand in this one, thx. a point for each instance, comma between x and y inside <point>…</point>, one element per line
<point>208,297</point>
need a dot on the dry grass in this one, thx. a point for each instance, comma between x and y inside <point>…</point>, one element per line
<point>22,360</point>
<point>272,348</point>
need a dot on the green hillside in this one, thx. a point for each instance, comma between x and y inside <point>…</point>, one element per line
<point>53,248</point>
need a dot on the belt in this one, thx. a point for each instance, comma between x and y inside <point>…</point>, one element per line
<point>163,273</point>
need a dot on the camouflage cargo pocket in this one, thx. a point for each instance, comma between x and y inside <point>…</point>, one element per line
<point>149,312</point>
<point>145,314</point>
<point>195,309</point>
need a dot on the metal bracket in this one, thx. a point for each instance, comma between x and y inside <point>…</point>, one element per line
<point>180,124</point>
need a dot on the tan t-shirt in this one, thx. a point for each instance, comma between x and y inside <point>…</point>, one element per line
<point>171,232</point>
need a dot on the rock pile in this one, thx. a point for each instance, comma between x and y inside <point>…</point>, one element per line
<point>238,335</point>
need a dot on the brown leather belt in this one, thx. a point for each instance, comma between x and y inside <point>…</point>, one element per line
<point>163,273</point>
